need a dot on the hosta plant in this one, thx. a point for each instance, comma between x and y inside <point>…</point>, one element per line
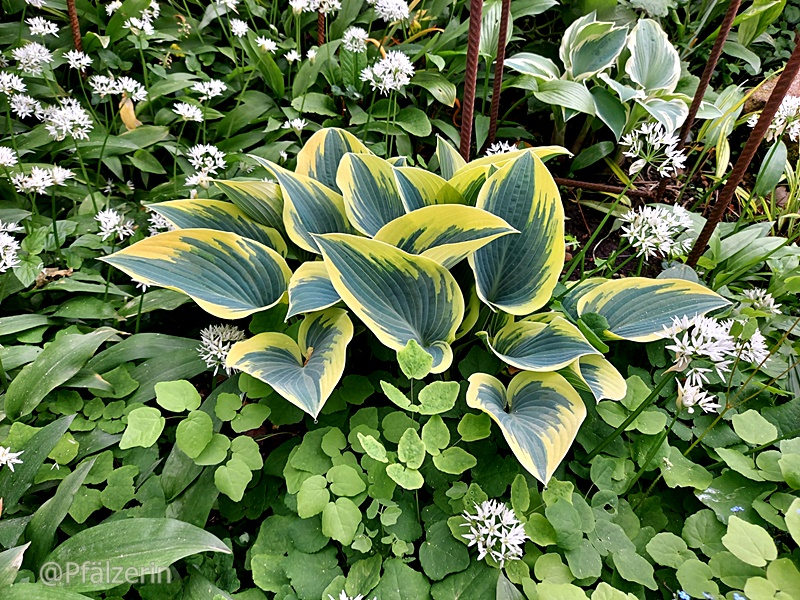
<point>351,245</point>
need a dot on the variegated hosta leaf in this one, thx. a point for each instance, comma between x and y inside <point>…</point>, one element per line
<point>450,160</point>
<point>222,216</point>
<point>310,289</point>
<point>228,275</point>
<point>321,154</point>
<point>600,377</point>
<point>369,190</point>
<point>654,63</point>
<point>536,346</point>
<point>469,180</point>
<point>444,233</point>
<point>304,372</point>
<point>539,415</point>
<point>398,296</point>
<point>638,308</point>
<point>569,302</point>
<point>260,200</point>
<point>517,273</point>
<point>309,207</point>
<point>471,314</point>
<point>419,188</point>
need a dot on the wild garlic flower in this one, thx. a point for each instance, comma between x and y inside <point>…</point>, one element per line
<point>8,158</point>
<point>206,160</point>
<point>266,44</point>
<point>188,112</point>
<point>392,10</point>
<point>496,531</point>
<point>326,7</point>
<point>144,24</point>
<point>69,119</point>
<point>113,7</point>
<point>60,175</point>
<point>652,145</point>
<point>32,57</point>
<point>11,83</point>
<point>215,343</point>
<point>158,224</point>
<point>754,350</point>
<point>23,106</point>
<point>702,338</point>
<point>786,120</point>
<point>760,299</point>
<point>113,224</point>
<point>292,55</point>
<point>7,457</point>
<point>239,28</point>
<point>296,124</point>
<point>230,4</point>
<point>501,148</point>
<point>343,596</point>
<point>77,60</point>
<point>355,40</point>
<point>37,181</point>
<point>389,74</point>
<point>41,26</point>
<point>36,3</point>
<point>9,247</point>
<point>209,89</point>
<point>690,397</point>
<point>654,231</point>
<point>299,6</point>
<point>311,54</point>
<point>103,86</point>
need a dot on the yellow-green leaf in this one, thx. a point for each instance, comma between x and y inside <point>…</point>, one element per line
<point>369,190</point>
<point>419,188</point>
<point>398,296</point>
<point>310,289</point>
<point>222,216</point>
<point>599,376</point>
<point>517,273</point>
<point>304,372</point>
<point>638,309</point>
<point>262,201</point>
<point>539,415</point>
<point>321,154</point>
<point>450,161</point>
<point>229,276</point>
<point>446,233</point>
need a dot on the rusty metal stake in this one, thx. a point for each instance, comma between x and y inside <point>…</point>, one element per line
<point>790,71</point>
<point>705,80</point>
<point>601,187</point>
<point>471,76</point>
<point>75,25</point>
<point>498,70</point>
<point>320,28</point>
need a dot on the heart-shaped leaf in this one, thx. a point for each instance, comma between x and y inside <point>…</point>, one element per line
<point>524,194</point>
<point>539,416</point>
<point>398,296</point>
<point>310,289</point>
<point>638,309</point>
<point>446,233</point>
<point>304,372</point>
<point>226,274</point>
<point>538,346</point>
<point>222,216</point>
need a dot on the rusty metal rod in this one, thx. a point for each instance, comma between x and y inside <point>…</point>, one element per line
<point>320,28</point>
<point>470,76</point>
<point>494,113</point>
<point>75,25</point>
<point>601,187</point>
<point>790,71</point>
<point>705,80</point>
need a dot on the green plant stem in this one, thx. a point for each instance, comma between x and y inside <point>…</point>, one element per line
<point>175,161</point>
<point>108,271</point>
<point>669,376</point>
<point>139,311</point>
<point>85,173</point>
<point>54,213</point>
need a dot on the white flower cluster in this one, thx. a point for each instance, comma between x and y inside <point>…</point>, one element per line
<point>760,299</point>
<point>32,57</point>
<point>389,74</point>
<point>9,249</point>
<point>113,224</point>
<point>144,23</point>
<point>77,60</point>
<point>496,531</point>
<point>230,4</point>
<point>326,7</point>
<point>206,160</point>
<point>112,86</point>
<point>266,44</point>
<point>292,55</point>
<point>36,3</point>
<point>69,119</point>
<point>691,396</point>
<point>501,148</point>
<point>786,120</point>
<point>239,28</point>
<point>355,39</point>
<point>113,7</point>
<point>652,145</point>
<point>41,26</point>
<point>11,83</point>
<point>391,10</point>
<point>209,89</point>
<point>9,458</point>
<point>188,112</point>
<point>215,343</point>
<point>39,179</point>
<point>654,230</point>
<point>343,596</point>
<point>297,124</point>
<point>23,106</point>
<point>8,158</point>
<point>158,224</point>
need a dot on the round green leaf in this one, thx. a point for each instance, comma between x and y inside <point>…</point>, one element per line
<point>145,425</point>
